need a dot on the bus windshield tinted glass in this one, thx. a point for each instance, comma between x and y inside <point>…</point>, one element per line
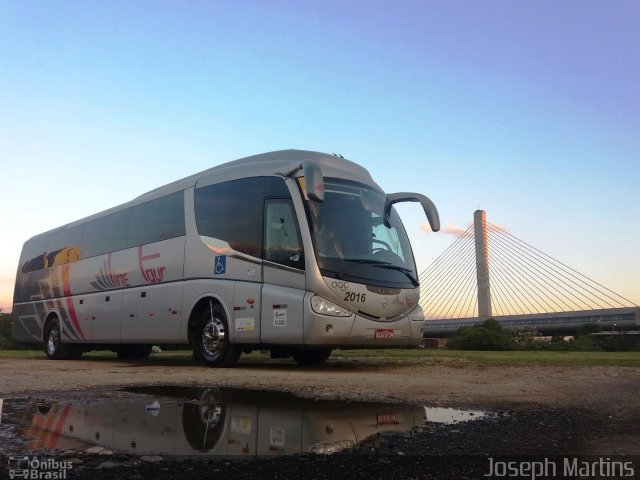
<point>351,241</point>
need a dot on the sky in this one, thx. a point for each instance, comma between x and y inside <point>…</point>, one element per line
<point>529,110</point>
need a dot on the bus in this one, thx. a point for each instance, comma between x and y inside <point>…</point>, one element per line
<point>293,251</point>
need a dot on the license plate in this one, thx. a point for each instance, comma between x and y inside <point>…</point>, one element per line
<point>386,419</point>
<point>382,333</point>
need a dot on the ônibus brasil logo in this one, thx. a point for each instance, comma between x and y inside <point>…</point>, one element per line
<point>38,469</point>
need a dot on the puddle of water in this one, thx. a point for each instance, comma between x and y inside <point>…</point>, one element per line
<point>220,422</point>
<point>452,415</point>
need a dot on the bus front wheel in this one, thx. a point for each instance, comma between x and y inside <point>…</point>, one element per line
<point>211,340</point>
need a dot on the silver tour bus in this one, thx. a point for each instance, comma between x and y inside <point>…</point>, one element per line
<point>293,251</point>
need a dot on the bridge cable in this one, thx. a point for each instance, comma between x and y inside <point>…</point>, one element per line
<point>444,276</point>
<point>461,289</point>
<point>532,274</point>
<point>445,271</point>
<point>495,275</point>
<point>517,284</point>
<point>536,273</point>
<point>472,306</point>
<point>441,262</point>
<point>499,304</point>
<point>440,295</point>
<point>514,295</point>
<point>578,274</point>
<point>553,269</point>
<point>467,294</point>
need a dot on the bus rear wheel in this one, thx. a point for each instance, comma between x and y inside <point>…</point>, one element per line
<point>311,356</point>
<point>211,341</point>
<point>53,346</point>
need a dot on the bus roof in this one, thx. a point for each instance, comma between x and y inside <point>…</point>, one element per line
<point>265,164</point>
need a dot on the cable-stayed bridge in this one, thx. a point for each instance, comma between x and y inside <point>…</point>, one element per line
<point>489,273</point>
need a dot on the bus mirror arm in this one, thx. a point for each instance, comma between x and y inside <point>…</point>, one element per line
<point>429,208</point>
<point>313,178</point>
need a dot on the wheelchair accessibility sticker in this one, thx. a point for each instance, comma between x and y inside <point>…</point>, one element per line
<point>220,266</point>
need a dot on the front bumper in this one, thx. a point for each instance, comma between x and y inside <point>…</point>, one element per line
<point>360,331</point>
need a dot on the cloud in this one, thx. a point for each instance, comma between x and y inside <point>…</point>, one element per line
<point>449,229</point>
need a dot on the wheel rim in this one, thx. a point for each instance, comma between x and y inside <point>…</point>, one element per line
<point>54,340</point>
<point>210,414</point>
<point>213,336</point>
<point>210,408</point>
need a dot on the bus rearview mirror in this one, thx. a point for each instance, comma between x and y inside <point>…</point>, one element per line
<point>428,206</point>
<point>313,178</point>
<point>314,181</point>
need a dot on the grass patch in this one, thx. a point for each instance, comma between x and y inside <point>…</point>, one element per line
<point>454,358</point>
<point>503,358</point>
<point>21,354</point>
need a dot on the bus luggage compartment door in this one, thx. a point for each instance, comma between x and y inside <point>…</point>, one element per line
<point>282,307</point>
<point>246,312</point>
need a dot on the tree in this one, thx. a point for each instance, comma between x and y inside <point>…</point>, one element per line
<point>526,338</point>
<point>7,342</point>
<point>488,336</point>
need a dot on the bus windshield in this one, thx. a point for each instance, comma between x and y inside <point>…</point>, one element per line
<point>352,242</point>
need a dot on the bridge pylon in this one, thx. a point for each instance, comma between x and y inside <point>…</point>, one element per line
<point>489,273</point>
<point>482,263</point>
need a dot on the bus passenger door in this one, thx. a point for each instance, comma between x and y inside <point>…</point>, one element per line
<point>283,275</point>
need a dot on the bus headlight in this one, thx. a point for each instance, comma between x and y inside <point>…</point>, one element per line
<point>417,315</point>
<point>325,307</point>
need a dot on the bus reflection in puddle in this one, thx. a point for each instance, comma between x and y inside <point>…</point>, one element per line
<point>222,422</point>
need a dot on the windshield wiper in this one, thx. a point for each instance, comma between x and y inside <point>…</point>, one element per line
<point>367,261</point>
<point>381,264</point>
<point>359,261</point>
<point>404,270</point>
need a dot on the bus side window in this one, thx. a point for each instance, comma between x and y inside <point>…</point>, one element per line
<point>65,246</point>
<point>282,239</point>
<point>107,234</point>
<point>157,220</point>
<point>232,211</point>
<point>34,254</point>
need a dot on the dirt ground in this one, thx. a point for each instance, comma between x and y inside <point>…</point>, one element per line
<point>537,411</point>
<point>604,389</point>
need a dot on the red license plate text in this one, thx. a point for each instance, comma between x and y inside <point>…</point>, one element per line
<point>383,333</point>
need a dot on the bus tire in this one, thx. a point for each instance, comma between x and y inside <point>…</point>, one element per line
<point>203,421</point>
<point>211,338</point>
<point>314,356</point>
<point>53,346</point>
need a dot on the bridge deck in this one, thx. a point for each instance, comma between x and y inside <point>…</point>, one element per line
<point>561,323</point>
